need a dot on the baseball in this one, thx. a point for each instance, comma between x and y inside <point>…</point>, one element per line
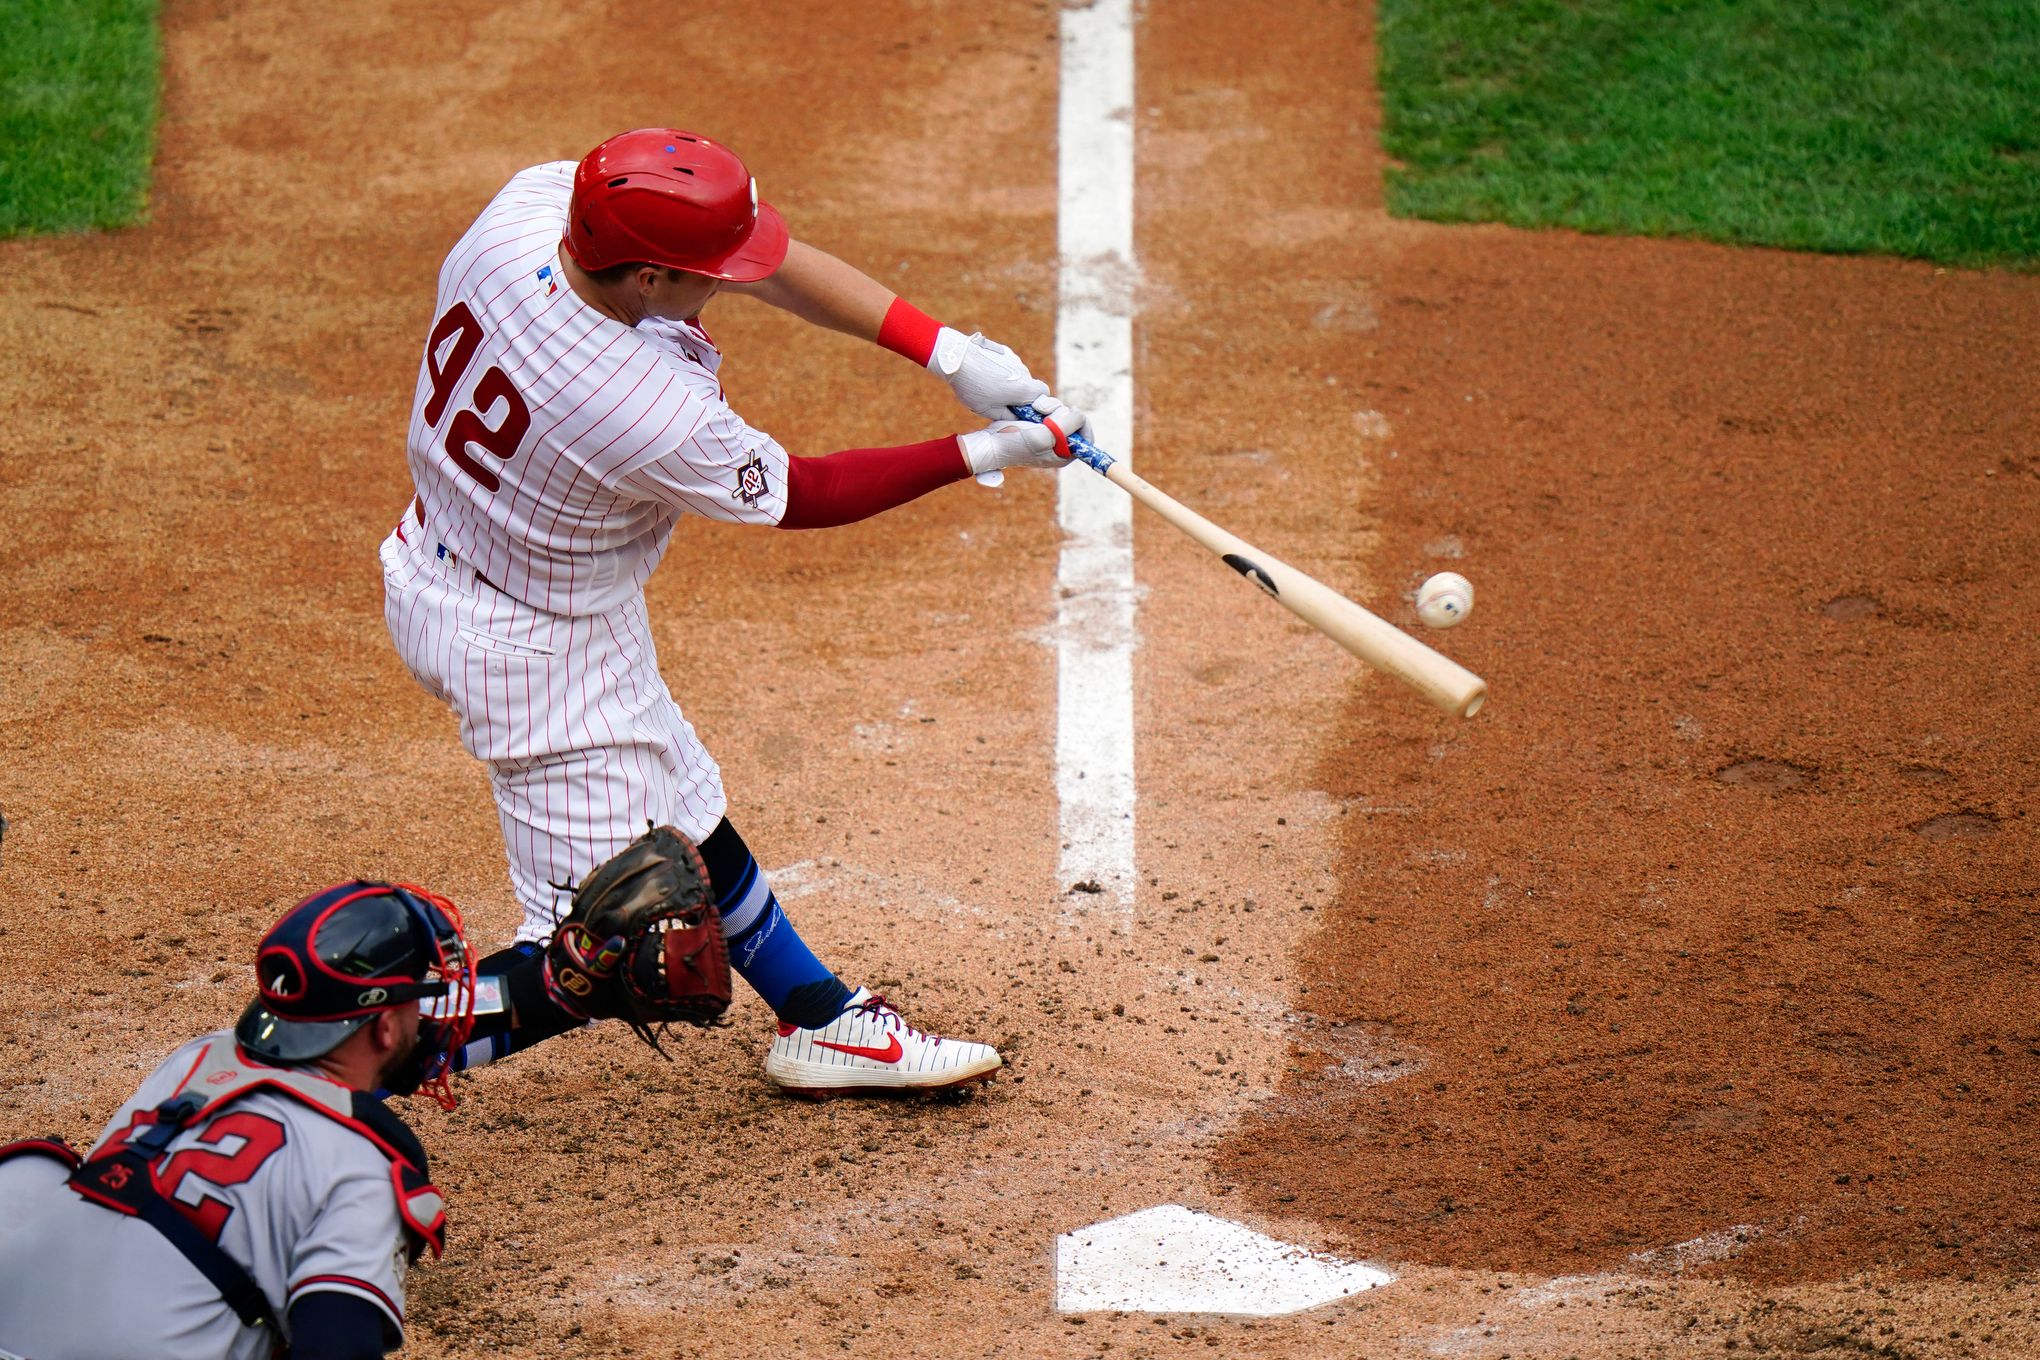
<point>1445,600</point>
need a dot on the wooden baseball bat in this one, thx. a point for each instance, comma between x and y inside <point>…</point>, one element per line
<point>1374,640</point>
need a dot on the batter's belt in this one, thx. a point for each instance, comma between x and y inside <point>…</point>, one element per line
<point>444,553</point>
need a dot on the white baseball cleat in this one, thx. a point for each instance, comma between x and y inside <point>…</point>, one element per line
<point>869,1050</point>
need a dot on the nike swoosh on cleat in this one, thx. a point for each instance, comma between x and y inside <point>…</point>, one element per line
<point>889,1054</point>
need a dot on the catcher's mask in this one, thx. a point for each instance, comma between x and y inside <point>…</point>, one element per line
<point>344,954</point>
<point>672,198</point>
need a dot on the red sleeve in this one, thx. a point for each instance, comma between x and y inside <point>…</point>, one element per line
<point>842,488</point>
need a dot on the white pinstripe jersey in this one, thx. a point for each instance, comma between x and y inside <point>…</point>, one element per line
<point>302,1202</point>
<point>554,448</point>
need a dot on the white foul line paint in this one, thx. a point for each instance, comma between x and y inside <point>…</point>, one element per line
<point>1094,371</point>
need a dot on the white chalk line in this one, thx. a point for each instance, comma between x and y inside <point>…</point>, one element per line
<point>1094,371</point>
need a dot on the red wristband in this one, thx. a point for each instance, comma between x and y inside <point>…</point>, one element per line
<point>909,332</point>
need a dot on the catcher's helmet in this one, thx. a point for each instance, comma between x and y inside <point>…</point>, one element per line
<point>672,198</point>
<point>343,954</point>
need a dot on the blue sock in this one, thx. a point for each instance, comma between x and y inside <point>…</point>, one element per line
<point>764,947</point>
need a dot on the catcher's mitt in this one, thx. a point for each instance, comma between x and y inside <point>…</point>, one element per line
<point>643,942</point>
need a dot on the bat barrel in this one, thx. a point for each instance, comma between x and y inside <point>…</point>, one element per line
<point>1441,680</point>
<point>1382,645</point>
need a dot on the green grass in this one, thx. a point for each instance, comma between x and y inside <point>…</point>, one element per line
<point>78,85</point>
<point>1910,127</point>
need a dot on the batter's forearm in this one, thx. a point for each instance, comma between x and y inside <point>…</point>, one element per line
<point>823,291</point>
<point>855,484</point>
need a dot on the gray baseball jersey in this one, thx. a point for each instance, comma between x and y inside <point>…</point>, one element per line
<point>299,1198</point>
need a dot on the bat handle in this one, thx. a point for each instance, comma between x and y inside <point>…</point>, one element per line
<point>1083,448</point>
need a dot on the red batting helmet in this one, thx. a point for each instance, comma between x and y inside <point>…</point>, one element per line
<point>672,198</point>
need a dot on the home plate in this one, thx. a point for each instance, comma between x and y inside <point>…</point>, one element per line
<point>1170,1259</point>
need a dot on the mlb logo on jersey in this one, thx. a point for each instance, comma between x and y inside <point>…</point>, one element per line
<point>750,481</point>
<point>551,279</point>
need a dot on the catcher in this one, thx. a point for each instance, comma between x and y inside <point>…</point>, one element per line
<point>255,1197</point>
<point>252,1198</point>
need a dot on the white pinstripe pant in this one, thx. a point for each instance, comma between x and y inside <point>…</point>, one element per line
<point>582,738</point>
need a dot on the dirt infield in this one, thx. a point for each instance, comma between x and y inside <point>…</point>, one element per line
<point>1682,1003</point>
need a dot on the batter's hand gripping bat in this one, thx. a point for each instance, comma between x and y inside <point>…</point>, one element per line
<point>1374,640</point>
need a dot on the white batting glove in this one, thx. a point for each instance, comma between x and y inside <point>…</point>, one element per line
<point>985,375</point>
<point>1022,443</point>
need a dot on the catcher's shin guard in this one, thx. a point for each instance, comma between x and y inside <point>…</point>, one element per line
<point>529,1018</point>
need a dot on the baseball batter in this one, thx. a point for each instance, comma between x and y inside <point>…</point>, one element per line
<point>252,1195</point>
<point>568,413</point>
